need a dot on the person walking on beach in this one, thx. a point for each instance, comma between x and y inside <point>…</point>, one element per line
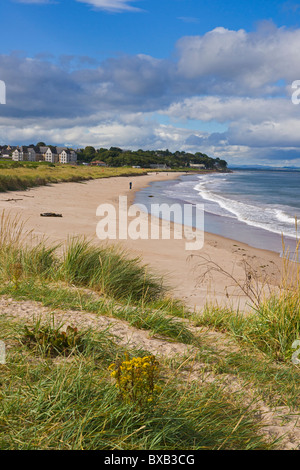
<point>130,185</point>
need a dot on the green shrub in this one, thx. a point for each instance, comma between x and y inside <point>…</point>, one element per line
<point>50,341</point>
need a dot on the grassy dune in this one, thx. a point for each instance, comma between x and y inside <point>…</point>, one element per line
<point>23,176</point>
<point>73,401</point>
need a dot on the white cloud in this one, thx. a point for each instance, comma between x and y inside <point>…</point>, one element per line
<point>252,62</point>
<point>37,2</point>
<point>232,108</point>
<point>116,6</point>
<point>112,5</point>
<point>276,134</point>
<point>242,80</point>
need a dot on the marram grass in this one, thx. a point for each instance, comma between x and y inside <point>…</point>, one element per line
<point>271,328</point>
<point>108,270</point>
<point>40,273</point>
<point>74,404</point>
<point>24,177</point>
<point>273,325</point>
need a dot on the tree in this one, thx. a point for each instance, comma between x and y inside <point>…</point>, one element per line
<point>89,153</point>
<point>117,157</point>
<point>89,150</point>
<point>222,164</point>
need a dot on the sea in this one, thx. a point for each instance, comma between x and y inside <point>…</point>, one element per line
<point>257,207</point>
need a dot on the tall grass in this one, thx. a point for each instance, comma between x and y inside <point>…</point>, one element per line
<point>274,323</point>
<point>271,328</point>
<point>291,265</point>
<point>29,176</point>
<point>110,271</point>
<point>38,271</point>
<point>19,255</point>
<point>73,404</point>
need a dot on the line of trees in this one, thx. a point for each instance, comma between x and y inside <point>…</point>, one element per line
<point>116,157</point>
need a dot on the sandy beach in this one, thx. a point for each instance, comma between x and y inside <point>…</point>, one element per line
<point>225,262</point>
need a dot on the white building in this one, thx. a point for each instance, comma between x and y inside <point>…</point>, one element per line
<point>197,165</point>
<point>66,155</point>
<point>24,154</point>
<point>47,154</point>
<point>18,155</point>
<point>51,155</point>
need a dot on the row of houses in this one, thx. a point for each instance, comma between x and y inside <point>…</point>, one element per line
<point>47,154</point>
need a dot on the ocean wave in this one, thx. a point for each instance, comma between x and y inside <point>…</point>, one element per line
<point>269,218</point>
<point>283,217</point>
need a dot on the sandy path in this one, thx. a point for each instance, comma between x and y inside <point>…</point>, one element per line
<point>277,423</point>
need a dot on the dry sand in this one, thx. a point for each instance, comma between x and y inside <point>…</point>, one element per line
<point>78,202</point>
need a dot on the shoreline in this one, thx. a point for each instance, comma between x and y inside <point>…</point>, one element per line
<point>223,225</point>
<point>78,203</point>
<point>131,195</point>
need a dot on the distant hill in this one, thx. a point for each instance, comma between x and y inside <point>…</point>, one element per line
<point>262,167</point>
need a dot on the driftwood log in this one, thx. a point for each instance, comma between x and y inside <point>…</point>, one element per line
<point>50,214</point>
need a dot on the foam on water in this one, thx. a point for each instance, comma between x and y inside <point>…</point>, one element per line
<point>272,217</point>
<point>253,207</point>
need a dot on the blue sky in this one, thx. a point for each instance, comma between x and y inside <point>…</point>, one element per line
<point>180,74</point>
<point>77,27</point>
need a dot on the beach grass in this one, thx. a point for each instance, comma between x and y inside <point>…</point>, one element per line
<point>22,177</point>
<point>272,327</point>
<point>273,324</point>
<point>106,269</point>
<point>158,322</point>
<point>110,271</point>
<point>72,402</point>
<point>115,284</point>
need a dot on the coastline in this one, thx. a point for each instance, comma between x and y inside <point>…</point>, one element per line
<point>242,228</point>
<point>78,202</point>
